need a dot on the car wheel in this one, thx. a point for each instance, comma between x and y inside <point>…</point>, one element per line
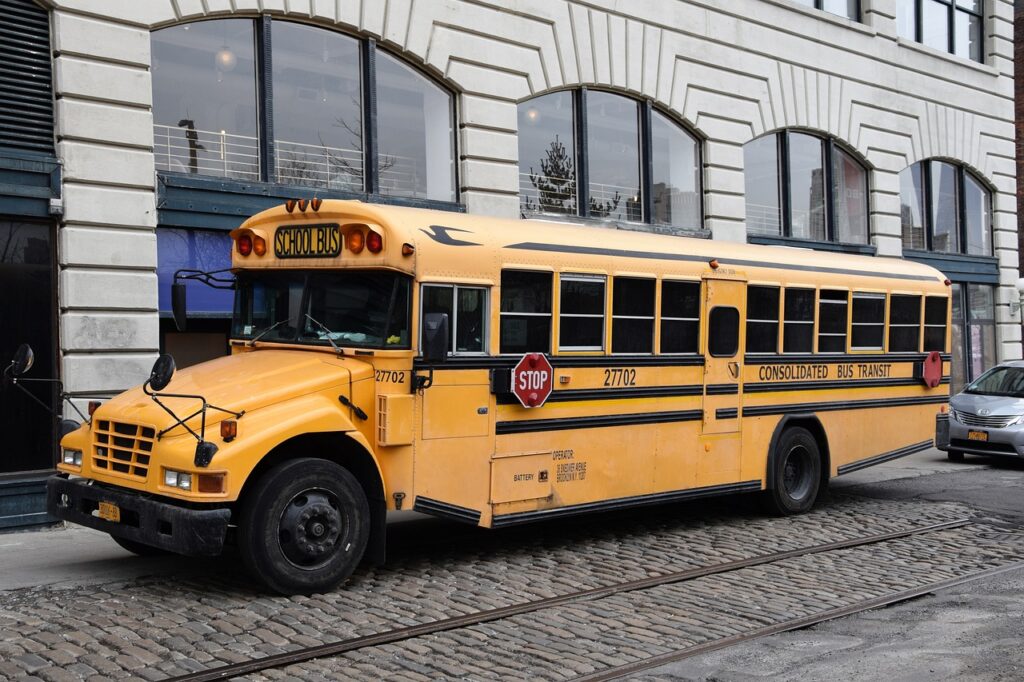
<point>138,548</point>
<point>796,475</point>
<point>955,456</point>
<point>304,526</point>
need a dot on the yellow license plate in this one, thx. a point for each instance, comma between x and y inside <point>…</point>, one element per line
<point>110,512</point>
<point>977,435</point>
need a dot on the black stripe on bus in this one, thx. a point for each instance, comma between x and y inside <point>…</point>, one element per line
<point>596,422</point>
<point>624,502</point>
<point>835,358</point>
<point>760,410</point>
<point>884,457</point>
<point>721,389</point>
<point>583,394</point>
<point>656,255</point>
<point>564,362</point>
<point>425,505</point>
<point>727,413</point>
<point>770,387</point>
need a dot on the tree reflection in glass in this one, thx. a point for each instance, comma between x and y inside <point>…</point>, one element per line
<point>547,173</point>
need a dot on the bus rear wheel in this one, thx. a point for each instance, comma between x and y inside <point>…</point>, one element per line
<point>304,526</point>
<point>796,473</point>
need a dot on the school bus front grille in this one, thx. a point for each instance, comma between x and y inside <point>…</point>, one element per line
<point>122,449</point>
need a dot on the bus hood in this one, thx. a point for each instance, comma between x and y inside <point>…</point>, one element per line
<point>242,382</point>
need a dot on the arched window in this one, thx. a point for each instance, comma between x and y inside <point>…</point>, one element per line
<point>600,155</point>
<point>943,207</point>
<point>318,109</point>
<point>804,186</point>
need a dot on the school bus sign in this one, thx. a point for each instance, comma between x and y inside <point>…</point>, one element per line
<point>532,379</point>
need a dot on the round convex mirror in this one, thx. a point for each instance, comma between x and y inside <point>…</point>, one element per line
<point>23,359</point>
<point>163,370</point>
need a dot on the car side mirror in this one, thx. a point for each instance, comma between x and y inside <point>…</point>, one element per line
<point>179,306</point>
<point>163,370</point>
<point>23,359</point>
<point>435,337</point>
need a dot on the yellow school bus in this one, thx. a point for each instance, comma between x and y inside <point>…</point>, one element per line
<point>498,372</point>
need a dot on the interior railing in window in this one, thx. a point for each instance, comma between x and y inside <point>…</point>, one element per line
<point>206,152</point>
<point>547,193</point>
<point>318,165</point>
<point>763,219</point>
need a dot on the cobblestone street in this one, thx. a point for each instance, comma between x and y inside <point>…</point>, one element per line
<point>165,625</point>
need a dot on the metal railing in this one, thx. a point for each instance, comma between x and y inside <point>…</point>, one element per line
<point>319,165</point>
<point>206,152</point>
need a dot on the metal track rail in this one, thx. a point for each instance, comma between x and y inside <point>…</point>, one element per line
<point>794,624</point>
<point>400,634</point>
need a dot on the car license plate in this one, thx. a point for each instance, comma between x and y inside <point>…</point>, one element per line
<point>977,435</point>
<point>110,512</point>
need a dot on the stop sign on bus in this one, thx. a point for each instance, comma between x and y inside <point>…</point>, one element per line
<point>532,379</point>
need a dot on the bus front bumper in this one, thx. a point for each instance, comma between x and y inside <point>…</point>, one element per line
<point>143,519</point>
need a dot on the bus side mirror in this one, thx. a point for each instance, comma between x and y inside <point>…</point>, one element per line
<point>435,337</point>
<point>23,359</point>
<point>179,306</point>
<point>163,370</point>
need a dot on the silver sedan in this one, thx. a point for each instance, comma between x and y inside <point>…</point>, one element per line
<point>987,417</point>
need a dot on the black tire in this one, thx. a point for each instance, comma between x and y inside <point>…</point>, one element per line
<point>138,548</point>
<point>304,526</point>
<point>796,473</point>
<point>955,455</point>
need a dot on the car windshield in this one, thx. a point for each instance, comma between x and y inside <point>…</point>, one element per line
<point>1008,381</point>
<point>366,309</point>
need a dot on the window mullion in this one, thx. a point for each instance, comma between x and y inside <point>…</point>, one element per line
<point>926,203</point>
<point>582,176</point>
<point>783,146</point>
<point>265,91</point>
<point>371,176</point>
<point>918,18</point>
<point>828,147</point>
<point>961,207</point>
<point>646,163</point>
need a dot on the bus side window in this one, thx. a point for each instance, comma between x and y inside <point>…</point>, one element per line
<point>935,323</point>
<point>680,317</point>
<point>724,332</point>
<point>868,325</point>
<point>832,316</point>
<point>904,323</point>
<point>466,310</point>
<point>762,319</point>
<point>525,325</point>
<point>633,315</point>
<point>581,313</point>
<point>798,321</point>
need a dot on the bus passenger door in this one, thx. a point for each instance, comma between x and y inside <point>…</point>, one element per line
<point>719,458</point>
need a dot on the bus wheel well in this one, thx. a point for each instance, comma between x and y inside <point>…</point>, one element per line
<point>342,450</point>
<point>811,423</point>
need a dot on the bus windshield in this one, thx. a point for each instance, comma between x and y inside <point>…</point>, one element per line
<point>365,309</point>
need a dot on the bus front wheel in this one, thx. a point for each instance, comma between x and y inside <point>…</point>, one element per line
<point>796,473</point>
<point>304,526</point>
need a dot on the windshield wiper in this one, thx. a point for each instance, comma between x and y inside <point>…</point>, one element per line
<point>328,332</point>
<point>265,332</point>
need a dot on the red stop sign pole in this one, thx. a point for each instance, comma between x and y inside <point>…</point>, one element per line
<point>533,379</point>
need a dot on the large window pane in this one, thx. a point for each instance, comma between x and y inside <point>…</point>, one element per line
<point>798,318</point>
<point>761,181</point>
<point>525,312</point>
<point>906,19</point>
<point>675,177</point>
<point>318,127</point>
<point>416,135</point>
<point>935,24</point>
<point>912,207</point>
<point>547,165</point>
<point>976,212</point>
<point>967,37</point>
<point>851,197</point>
<point>945,231</point>
<point>204,99</point>
<point>762,319</point>
<point>958,375</point>
<point>680,317</point>
<point>904,323</point>
<point>982,328</point>
<point>613,137</point>
<point>581,318</point>
<point>806,187</point>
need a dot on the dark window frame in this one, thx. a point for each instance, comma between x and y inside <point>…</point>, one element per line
<point>820,5</point>
<point>952,9</point>
<point>662,318</point>
<point>777,321</point>
<point>823,300</point>
<point>564,277</point>
<point>652,317</point>
<point>581,157</point>
<point>550,314</point>
<point>714,317</point>
<point>813,322</point>
<point>927,190</point>
<point>453,324</point>
<point>890,326</point>
<point>268,184</point>
<point>868,295</point>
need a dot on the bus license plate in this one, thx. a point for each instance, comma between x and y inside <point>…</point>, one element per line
<point>110,512</point>
<point>977,435</point>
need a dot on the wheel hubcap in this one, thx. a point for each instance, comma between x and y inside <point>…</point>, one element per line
<point>310,526</point>
<point>796,473</point>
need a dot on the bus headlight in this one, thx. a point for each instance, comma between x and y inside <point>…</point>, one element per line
<point>73,457</point>
<point>177,479</point>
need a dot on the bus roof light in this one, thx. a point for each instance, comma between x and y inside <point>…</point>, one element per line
<point>408,249</point>
<point>259,246</point>
<point>303,203</point>
<point>228,430</point>
<point>354,241</point>
<point>374,242</point>
<point>289,205</point>
<point>244,245</point>
<point>713,263</point>
<point>947,281</point>
<point>316,203</point>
